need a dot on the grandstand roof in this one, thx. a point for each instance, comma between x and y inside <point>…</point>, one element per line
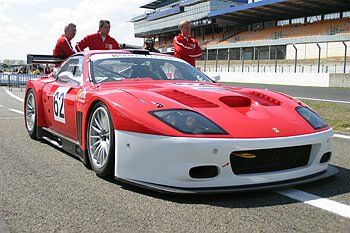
<point>267,10</point>
<point>158,3</point>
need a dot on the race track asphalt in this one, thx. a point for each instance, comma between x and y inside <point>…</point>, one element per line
<point>46,190</point>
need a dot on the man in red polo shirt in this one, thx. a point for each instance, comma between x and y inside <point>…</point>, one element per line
<point>186,47</point>
<point>100,40</point>
<point>63,48</point>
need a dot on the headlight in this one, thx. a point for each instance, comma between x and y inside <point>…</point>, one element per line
<point>188,122</point>
<point>311,117</point>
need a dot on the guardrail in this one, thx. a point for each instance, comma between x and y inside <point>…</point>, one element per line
<point>16,80</point>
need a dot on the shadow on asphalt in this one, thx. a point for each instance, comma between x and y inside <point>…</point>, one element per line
<point>87,166</point>
<point>336,185</point>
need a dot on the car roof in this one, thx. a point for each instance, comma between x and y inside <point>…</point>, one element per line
<point>122,51</point>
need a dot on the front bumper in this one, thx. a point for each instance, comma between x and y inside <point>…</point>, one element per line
<point>163,163</point>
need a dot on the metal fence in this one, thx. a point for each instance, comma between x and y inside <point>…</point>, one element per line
<point>16,80</point>
<point>283,68</point>
<point>226,59</point>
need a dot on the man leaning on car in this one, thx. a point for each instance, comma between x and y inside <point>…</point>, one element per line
<point>63,48</point>
<point>100,40</point>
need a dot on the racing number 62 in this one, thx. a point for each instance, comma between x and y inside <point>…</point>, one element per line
<point>58,104</point>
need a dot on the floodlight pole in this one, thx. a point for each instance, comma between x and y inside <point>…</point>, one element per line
<point>217,58</point>
<point>205,59</point>
<point>242,58</point>
<point>254,53</point>
<point>258,58</point>
<point>228,60</point>
<point>319,58</point>
<point>345,54</point>
<point>275,59</point>
<point>296,58</point>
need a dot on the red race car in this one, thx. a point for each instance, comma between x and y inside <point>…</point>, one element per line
<point>155,121</point>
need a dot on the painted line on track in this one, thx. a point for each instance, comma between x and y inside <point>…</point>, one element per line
<point>316,201</point>
<point>10,118</point>
<point>341,136</point>
<point>16,111</point>
<point>325,100</point>
<point>14,96</point>
<point>3,226</point>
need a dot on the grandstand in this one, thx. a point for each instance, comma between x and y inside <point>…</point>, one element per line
<point>256,36</point>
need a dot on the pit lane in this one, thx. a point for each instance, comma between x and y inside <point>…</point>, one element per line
<point>44,189</point>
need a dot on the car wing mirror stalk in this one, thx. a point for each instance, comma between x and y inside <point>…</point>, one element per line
<point>216,78</point>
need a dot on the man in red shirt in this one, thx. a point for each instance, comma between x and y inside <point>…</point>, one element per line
<point>100,40</point>
<point>186,47</point>
<point>63,48</point>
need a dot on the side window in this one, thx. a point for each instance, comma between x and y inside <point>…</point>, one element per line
<point>73,68</point>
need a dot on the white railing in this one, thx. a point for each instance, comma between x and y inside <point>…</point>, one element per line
<point>16,80</point>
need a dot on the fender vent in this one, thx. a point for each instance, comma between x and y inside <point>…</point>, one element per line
<point>188,100</point>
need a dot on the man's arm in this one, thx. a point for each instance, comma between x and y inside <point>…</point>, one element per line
<point>84,43</point>
<point>197,51</point>
<point>67,47</point>
<point>180,47</point>
<point>115,44</point>
<point>184,50</point>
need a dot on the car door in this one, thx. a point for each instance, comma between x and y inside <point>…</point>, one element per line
<point>60,97</point>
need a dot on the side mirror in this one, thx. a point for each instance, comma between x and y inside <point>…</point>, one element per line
<point>54,72</point>
<point>216,78</point>
<point>66,76</point>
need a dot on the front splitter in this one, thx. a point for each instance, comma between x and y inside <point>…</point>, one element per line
<point>330,171</point>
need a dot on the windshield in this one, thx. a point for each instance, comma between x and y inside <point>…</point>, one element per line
<point>116,69</point>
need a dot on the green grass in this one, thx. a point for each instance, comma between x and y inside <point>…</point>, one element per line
<point>335,114</point>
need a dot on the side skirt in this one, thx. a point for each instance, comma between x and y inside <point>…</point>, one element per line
<point>62,142</point>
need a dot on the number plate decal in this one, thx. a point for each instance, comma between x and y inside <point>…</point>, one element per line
<point>58,104</point>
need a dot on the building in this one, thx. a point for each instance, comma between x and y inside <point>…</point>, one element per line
<point>256,36</point>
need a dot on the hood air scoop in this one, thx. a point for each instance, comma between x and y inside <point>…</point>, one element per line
<point>187,99</point>
<point>236,101</point>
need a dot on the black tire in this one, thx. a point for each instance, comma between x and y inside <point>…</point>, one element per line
<point>30,111</point>
<point>100,141</point>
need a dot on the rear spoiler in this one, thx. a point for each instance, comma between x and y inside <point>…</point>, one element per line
<point>43,59</point>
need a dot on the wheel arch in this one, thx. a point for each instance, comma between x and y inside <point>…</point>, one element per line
<point>88,111</point>
<point>37,91</point>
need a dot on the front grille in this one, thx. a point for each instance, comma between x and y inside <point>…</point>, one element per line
<point>268,160</point>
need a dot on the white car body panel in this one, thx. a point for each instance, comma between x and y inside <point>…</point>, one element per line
<point>165,160</point>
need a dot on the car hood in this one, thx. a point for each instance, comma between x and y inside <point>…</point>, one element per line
<point>242,112</point>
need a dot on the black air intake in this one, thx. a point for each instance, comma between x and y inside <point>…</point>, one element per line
<point>203,172</point>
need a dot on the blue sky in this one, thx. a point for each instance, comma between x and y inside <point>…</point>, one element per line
<point>33,26</point>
